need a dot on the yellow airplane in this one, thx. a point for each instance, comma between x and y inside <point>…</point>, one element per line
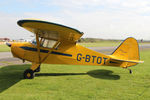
<point>57,44</point>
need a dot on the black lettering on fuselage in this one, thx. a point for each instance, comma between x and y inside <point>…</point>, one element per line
<point>94,59</point>
<point>79,55</point>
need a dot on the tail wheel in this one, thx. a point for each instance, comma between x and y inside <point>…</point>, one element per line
<point>28,74</point>
<point>38,69</point>
<point>130,71</point>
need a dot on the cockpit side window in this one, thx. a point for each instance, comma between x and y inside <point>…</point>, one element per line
<point>48,43</point>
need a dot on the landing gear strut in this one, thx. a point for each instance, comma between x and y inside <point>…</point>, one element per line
<point>130,71</point>
<point>30,73</point>
<point>38,69</point>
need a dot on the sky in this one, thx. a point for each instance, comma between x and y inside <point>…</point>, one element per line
<point>106,19</point>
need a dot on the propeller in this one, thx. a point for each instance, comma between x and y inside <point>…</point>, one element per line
<point>8,44</point>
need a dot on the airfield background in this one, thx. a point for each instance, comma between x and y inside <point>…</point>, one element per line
<point>76,82</point>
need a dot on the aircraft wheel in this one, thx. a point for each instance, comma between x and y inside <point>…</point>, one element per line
<point>38,69</point>
<point>28,74</point>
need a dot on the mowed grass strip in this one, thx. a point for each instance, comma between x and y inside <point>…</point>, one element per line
<point>101,44</point>
<point>70,82</point>
<point>106,44</point>
<point>4,48</point>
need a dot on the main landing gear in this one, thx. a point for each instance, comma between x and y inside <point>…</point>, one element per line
<point>38,69</point>
<point>29,73</point>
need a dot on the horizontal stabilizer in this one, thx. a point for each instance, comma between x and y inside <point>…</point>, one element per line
<point>123,60</point>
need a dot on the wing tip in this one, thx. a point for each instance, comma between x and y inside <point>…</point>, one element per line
<point>141,61</point>
<point>20,22</point>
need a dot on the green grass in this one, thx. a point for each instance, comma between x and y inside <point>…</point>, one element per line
<point>101,44</point>
<point>70,82</point>
<point>105,44</point>
<point>4,48</point>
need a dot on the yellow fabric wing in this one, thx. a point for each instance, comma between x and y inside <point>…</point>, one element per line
<point>51,30</point>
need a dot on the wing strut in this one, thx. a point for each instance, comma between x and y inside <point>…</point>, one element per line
<point>38,48</point>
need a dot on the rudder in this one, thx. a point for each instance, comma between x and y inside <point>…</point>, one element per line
<point>128,50</point>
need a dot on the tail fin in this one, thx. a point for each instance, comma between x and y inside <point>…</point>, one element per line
<point>127,52</point>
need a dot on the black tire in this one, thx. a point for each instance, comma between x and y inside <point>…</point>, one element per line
<point>28,74</point>
<point>38,69</point>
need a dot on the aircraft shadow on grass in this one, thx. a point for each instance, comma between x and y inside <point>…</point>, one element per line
<point>100,73</point>
<point>10,75</point>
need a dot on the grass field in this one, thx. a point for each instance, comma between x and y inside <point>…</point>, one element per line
<point>4,48</point>
<point>106,44</point>
<point>101,44</point>
<point>68,82</point>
